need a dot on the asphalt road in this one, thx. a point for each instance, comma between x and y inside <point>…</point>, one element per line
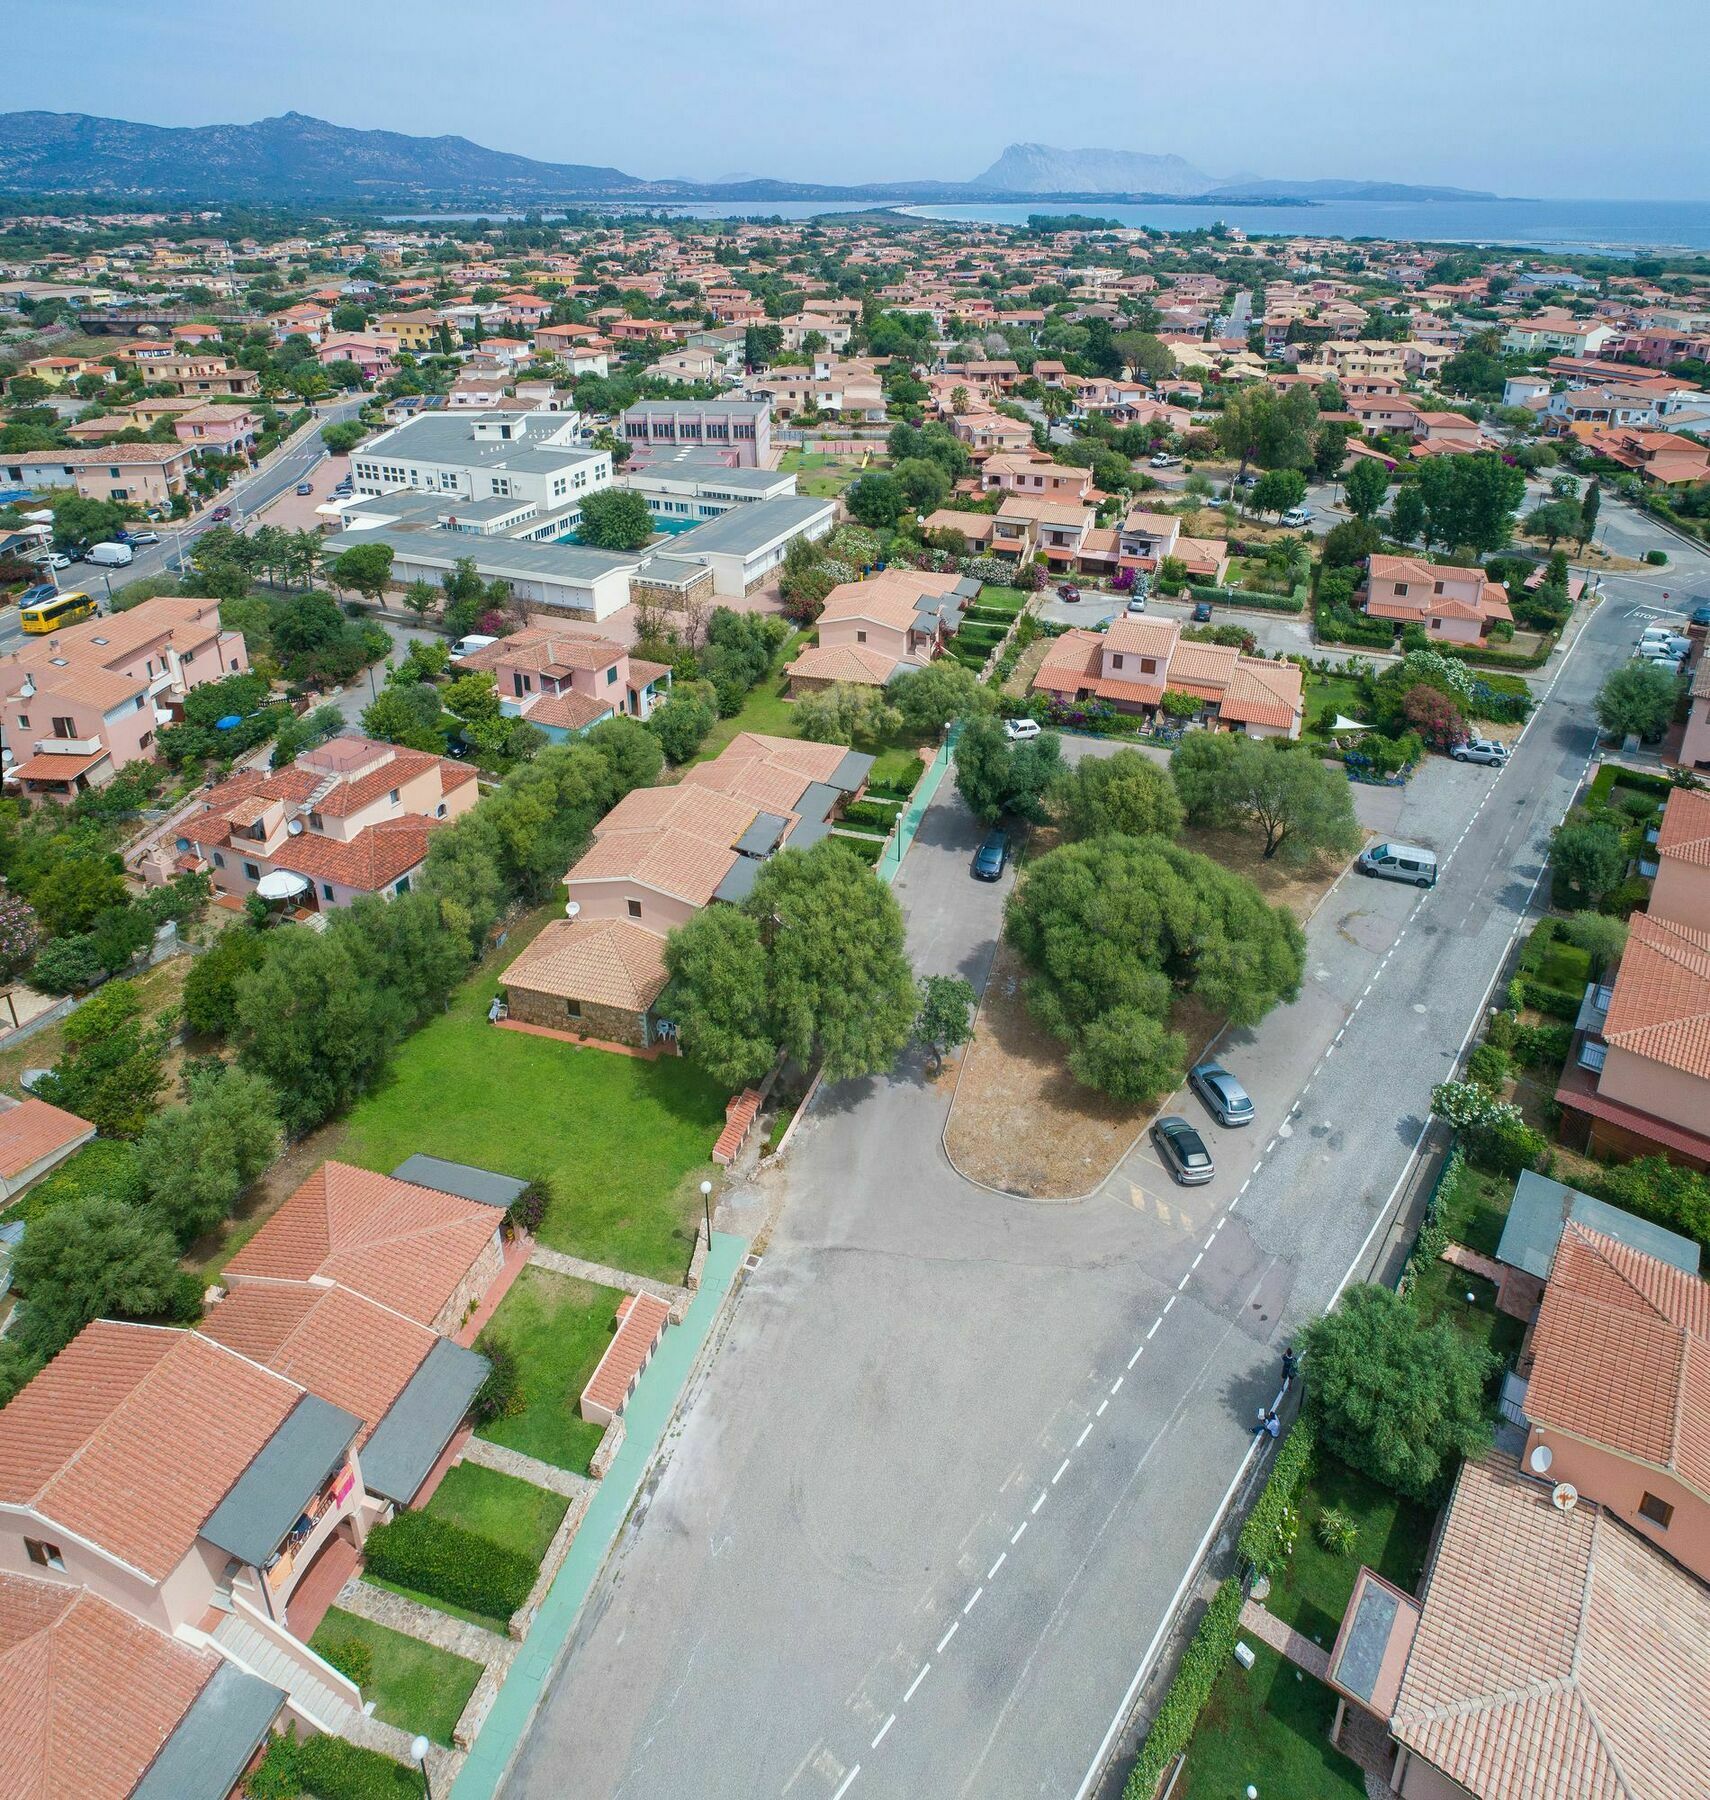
<point>930,1508</point>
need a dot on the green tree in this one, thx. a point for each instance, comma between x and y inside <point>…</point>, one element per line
<point>1393,1394</point>
<point>408,713</point>
<point>366,569</point>
<point>1554,520</point>
<point>1301,807</point>
<point>996,777</point>
<point>91,1258</point>
<point>945,1020</point>
<point>210,988</point>
<point>1145,353</point>
<point>928,698</point>
<point>682,723</point>
<point>1589,503</point>
<point>112,1070</point>
<point>1470,500</point>
<point>631,751</point>
<point>925,486</point>
<point>876,500</point>
<point>1599,936</point>
<point>343,436</point>
<point>845,713</point>
<point>77,520</point>
<point>1586,861</point>
<point>1364,486</point>
<point>75,891</point>
<point>717,995</point>
<point>1277,490</point>
<point>1273,430</point>
<point>421,597</point>
<point>1636,700</point>
<point>1407,519</point>
<point>195,1160</point>
<point>615,519</point>
<point>1125,793</point>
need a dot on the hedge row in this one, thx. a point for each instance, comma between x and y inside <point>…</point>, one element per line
<point>1203,1661</point>
<point>436,1557</point>
<point>1555,1003</point>
<point>1499,659</point>
<point>330,1768</point>
<point>871,812</point>
<point>1220,596</point>
<point>1333,625</point>
<point>1268,1534</point>
<point>869,849</point>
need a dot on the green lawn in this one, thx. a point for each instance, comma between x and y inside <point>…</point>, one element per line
<point>558,1330</point>
<point>620,1143</point>
<point>1565,966</point>
<point>414,1686</point>
<point>1312,1592</point>
<point>1473,1208</point>
<point>764,708</point>
<point>819,474</point>
<point>1268,1726</point>
<point>1330,690</point>
<point>1441,1293</point>
<point>500,1508</point>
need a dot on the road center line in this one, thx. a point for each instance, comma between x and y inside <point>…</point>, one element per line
<point>1138,1349</point>
<point>883,1729</point>
<point>973,1601</point>
<point>1060,1468</point>
<point>1154,1331</point>
<point>1196,1262</point>
<point>955,1626</point>
<point>1115,1385</point>
<point>1167,1305</point>
<point>1003,1557</point>
<point>1101,1406</point>
<point>1016,1537</point>
<point>1085,1430</point>
<point>1043,1492</point>
<point>847,1781</point>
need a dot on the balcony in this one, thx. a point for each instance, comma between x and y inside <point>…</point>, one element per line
<point>67,746</point>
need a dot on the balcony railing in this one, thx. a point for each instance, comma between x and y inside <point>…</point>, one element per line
<point>67,746</point>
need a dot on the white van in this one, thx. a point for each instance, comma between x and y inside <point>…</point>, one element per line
<point>467,646</point>
<point>109,556</point>
<point>1666,643</point>
<point>1399,862</point>
<point>1297,517</point>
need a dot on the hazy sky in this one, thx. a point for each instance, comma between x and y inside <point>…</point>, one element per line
<point>1520,96</point>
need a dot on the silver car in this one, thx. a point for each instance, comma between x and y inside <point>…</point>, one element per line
<point>1182,1150</point>
<point>1225,1099</point>
<point>1481,750</point>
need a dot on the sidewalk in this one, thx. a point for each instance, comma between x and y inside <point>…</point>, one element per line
<point>650,1410</point>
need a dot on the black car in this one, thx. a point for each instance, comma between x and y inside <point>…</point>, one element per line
<point>1202,612</point>
<point>1701,613</point>
<point>991,856</point>
<point>1227,1101</point>
<point>1182,1150</point>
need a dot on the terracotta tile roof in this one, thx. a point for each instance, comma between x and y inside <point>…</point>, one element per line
<point>88,1694</point>
<point>30,1129</point>
<point>844,662</point>
<point>1622,1355</point>
<point>1416,568</point>
<point>1660,1008</point>
<point>1144,637</point>
<point>338,1344</point>
<point>1263,693</point>
<point>406,1246</point>
<point>1072,663</point>
<point>47,766</point>
<point>641,672</point>
<point>889,598</point>
<point>1685,832</point>
<point>773,772</point>
<point>371,860</point>
<point>607,962</point>
<point>542,648</point>
<point>566,710</point>
<point>133,1435</point>
<point>1558,1657</point>
<point>641,1323</point>
<point>1204,665</point>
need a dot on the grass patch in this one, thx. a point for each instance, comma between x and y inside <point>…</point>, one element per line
<point>1313,1589</point>
<point>415,1686</point>
<point>499,1507</point>
<point>161,991</point>
<point>1269,1725</point>
<point>1565,966</point>
<point>1324,691</point>
<point>558,1330</point>
<point>818,472</point>
<point>1473,1208</point>
<point>618,1142</point>
<point>1441,1293</point>
<point>764,707</point>
<point>897,768</point>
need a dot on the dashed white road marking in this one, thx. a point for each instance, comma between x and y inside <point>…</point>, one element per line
<point>1043,1493</point>
<point>1101,1406</point>
<point>973,1600</point>
<point>916,1683</point>
<point>1154,1331</point>
<point>1085,1430</point>
<point>955,1626</point>
<point>848,1780</point>
<point>1003,1557</point>
<point>1115,1385</point>
<point>1138,1349</point>
<point>1063,1465</point>
<point>1015,1537</point>
<point>883,1729</point>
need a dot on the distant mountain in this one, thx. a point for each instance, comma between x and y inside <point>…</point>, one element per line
<point>1342,190</point>
<point>293,157</point>
<point>1040,169</point>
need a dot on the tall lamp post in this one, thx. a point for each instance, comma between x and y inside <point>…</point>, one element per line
<point>706,1207</point>
<point>419,1748</point>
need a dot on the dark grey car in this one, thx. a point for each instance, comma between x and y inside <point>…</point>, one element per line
<point>1182,1150</point>
<point>1226,1100</point>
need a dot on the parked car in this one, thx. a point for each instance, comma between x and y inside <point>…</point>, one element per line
<point>1018,731</point>
<point>54,559</point>
<point>1297,518</point>
<point>1399,862</point>
<point>1182,1150</point>
<point>1701,613</point>
<point>1226,1100</point>
<point>137,539</point>
<point>108,556</point>
<point>1069,592</point>
<point>1202,612</point>
<point>1481,750</point>
<point>39,591</point>
<point>467,646</point>
<point>990,858</point>
<point>221,514</point>
<point>1136,605</point>
<point>305,487</point>
<point>1164,460</point>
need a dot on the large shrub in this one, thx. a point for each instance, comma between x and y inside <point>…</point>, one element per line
<point>443,1560</point>
<point>1174,1722</point>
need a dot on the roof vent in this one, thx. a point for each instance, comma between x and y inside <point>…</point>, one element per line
<point>1564,1496</point>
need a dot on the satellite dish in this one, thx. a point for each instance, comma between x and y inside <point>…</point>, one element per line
<point>1540,1459</point>
<point>1564,1496</point>
<point>572,909</point>
<point>295,827</point>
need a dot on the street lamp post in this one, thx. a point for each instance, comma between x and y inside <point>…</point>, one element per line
<point>706,1208</point>
<point>419,1748</point>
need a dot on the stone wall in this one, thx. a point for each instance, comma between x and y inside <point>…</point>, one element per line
<point>610,1024</point>
<point>672,595</point>
<point>482,1273</point>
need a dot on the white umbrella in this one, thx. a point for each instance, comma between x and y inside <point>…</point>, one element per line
<point>281,884</point>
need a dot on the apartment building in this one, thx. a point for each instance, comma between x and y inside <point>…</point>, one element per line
<point>564,683</point>
<point>146,475</point>
<point>78,705</point>
<point>742,429</point>
<point>539,458</point>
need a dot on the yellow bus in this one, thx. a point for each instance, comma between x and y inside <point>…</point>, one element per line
<point>63,609</point>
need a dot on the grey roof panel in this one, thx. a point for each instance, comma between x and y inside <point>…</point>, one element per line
<point>207,1753</point>
<point>739,879</point>
<point>407,1442</point>
<point>745,529</point>
<point>1541,1208</point>
<point>818,798</point>
<point>492,555</point>
<point>462,1179</point>
<point>761,837</point>
<point>808,833</point>
<point>267,1498</point>
<point>1367,1639</point>
<point>852,771</point>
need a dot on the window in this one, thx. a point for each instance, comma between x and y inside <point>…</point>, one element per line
<point>573,1009</point>
<point>43,1555</point>
<point>1659,1512</point>
<point>23,721</point>
<point>1400,590</point>
<point>219,859</point>
<point>860,637</point>
<point>403,885</point>
<point>65,728</point>
<point>1116,661</point>
<point>326,890</point>
<point>393,796</point>
<point>252,871</point>
<point>439,811</point>
<point>634,909</point>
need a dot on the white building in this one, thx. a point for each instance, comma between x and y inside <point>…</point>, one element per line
<point>537,457</point>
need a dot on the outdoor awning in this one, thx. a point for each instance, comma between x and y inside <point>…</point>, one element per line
<point>403,1448</point>
<point>281,1480</point>
<point>1343,723</point>
<point>281,884</point>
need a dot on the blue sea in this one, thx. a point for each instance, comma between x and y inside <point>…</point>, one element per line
<point>1625,227</point>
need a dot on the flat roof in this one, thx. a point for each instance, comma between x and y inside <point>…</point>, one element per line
<point>1542,1208</point>
<point>852,771</point>
<point>748,407</point>
<point>418,1425</point>
<point>462,1179</point>
<point>745,529</point>
<point>738,880</point>
<point>817,800</point>
<point>267,1498</point>
<point>570,563</point>
<point>449,437</point>
<point>762,836</point>
<point>206,1755</point>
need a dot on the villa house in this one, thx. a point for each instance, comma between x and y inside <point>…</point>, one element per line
<point>1451,604</point>
<point>35,1138</point>
<point>1145,539</point>
<point>1055,529</point>
<point>565,682</point>
<point>870,629</point>
<point>1132,664</point>
<point>990,431</point>
<point>1022,474</point>
<point>151,475</point>
<point>1695,744</point>
<point>347,818</point>
<point>224,430</point>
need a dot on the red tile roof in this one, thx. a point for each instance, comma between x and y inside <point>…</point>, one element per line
<point>30,1129</point>
<point>1660,1008</point>
<point>406,1246</point>
<point>133,1435</point>
<point>641,1323</point>
<point>1685,829</point>
<point>88,1695</point>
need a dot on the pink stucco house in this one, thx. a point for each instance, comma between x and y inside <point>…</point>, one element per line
<point>374,353</point>
<point>565,682</point>
<point>1454,605</point>
<point>224,430</point>
<point>870,629</point>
